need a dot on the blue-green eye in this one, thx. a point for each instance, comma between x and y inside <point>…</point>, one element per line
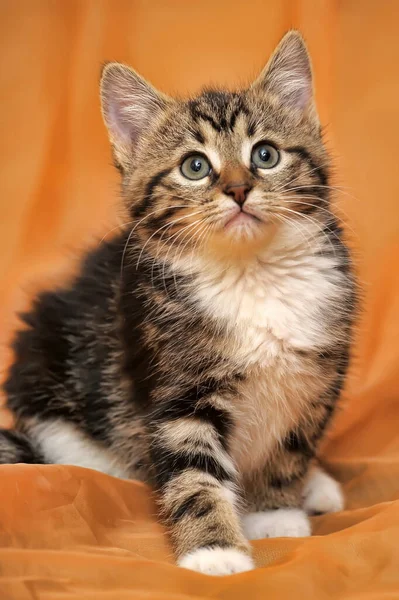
<point>195,166</point>
<point>265,156</point>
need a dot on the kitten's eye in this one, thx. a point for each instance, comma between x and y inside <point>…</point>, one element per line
<point>265,156</point>
<point>195,166</point>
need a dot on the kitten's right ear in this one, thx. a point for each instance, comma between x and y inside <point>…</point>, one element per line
<point>288,75</point>
<point>129,105</point>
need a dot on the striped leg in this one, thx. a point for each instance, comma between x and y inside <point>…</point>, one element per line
<point>275,499</point>
<point>16,447</point>
<point>279,493</point>
<point>196,482</point>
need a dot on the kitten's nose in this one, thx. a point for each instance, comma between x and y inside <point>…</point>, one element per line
<point>238,191</point>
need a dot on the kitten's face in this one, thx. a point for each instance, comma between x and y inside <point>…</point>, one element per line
<point>224,170</point>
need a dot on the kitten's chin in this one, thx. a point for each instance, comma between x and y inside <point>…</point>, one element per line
<point>245,225</point>
<point>242,238</point>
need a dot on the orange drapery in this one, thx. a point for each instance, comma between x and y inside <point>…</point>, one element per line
<point>72,533</point>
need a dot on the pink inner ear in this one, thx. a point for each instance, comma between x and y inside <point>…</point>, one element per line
<point>117,123</point>
<point>295,88</point>
<point>289,74</point>
<point>290,78</point>
<point>129,104</point>
<point>126,114</point>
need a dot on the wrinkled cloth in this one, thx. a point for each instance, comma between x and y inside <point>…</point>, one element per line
<point>71,533</point>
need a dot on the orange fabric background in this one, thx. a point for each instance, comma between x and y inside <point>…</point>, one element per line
<point>72,533</point>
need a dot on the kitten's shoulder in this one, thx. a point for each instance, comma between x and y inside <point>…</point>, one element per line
<point>72,311</point>
<point>92,288</point>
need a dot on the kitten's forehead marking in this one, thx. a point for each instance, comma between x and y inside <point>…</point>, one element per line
<point>231,144</point>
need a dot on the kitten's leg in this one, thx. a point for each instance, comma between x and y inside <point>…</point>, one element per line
<point>276,492</point>
<point>322,494</point>
<point>275,505</point>
<point>16,447</point>
<point>196,483</point>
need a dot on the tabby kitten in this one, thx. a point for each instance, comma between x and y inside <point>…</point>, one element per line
<point>204,349</point>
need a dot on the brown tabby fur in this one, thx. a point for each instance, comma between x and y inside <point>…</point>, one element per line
<point>159,355</point>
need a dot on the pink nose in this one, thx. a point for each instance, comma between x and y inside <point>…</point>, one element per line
<point>238,191</point>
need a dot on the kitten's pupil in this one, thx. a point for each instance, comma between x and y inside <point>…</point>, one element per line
<point>196,165</point>
<point>264,154</point>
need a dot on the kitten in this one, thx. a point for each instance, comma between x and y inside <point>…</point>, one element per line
<point>204,349</point>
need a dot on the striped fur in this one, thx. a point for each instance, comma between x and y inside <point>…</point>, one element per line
<point>204,349</point>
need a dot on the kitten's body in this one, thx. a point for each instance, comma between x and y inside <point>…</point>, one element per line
<point>209,370</point>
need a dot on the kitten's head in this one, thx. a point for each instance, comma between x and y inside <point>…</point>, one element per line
<point>221,171</point>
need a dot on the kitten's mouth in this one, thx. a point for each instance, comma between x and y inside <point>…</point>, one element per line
<point>242,218</point>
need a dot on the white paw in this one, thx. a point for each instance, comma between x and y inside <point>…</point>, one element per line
<point>217,561</point>
<point>283,522</point>
<point>322,494</point>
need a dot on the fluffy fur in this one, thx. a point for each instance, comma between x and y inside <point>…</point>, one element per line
<point>204,349</point>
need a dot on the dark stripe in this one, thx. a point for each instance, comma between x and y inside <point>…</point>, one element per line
<point>198,136</point>
<point>251,129</point>
<point>233,117</point>
<point>282,482</point>
<point>170,464</point>
<point>161,218</point>
<point>218,98</point>
<point>316,195</point>
<point>211,120</point>
<point>217,543</point>
<point>315,198</point>
<point>312,207</point>
<point>329,354</point>
<point>196,114</point>
<point>16,447</point>
<point>187,408</point>
<point>240,108</point>
<point>220,104</point>
<point>167,186</point>
<point>204,510</point>
<point>142,207</point>
<point>329,409</point>
<point>296,442</point>
<point>254,170</point>
<point>219,418</point>
<point>115,162</point>
<point>334,232</point>
<point>305,155</point>
<point>196,505</point>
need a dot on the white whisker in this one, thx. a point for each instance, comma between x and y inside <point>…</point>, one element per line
<point>160,229</point>
<point>137,224</point>
<point>315,223</point>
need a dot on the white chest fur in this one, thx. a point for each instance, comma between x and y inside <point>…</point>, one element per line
<point>278,304</point>
<point>278,301</point>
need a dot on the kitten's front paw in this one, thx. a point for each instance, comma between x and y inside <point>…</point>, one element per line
<point>283,522</point>
<point>322,494</point>
<point>217,561</point>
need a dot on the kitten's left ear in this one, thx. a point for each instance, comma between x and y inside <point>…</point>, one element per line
<point>288,75</point>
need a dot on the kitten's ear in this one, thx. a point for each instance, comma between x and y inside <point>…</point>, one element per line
<point>129,105</point>
<point>288,74</point>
